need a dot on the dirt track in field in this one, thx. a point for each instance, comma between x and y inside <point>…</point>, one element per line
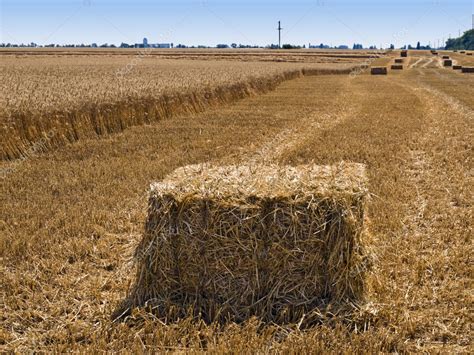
<point>72,218</point>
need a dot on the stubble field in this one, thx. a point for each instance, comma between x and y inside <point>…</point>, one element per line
<point>73,210</point>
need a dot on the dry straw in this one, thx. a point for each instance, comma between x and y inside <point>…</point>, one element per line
<point>229,243</point>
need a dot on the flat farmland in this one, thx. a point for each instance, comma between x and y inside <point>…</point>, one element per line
<point>79,95</point>
<point>72,213</point>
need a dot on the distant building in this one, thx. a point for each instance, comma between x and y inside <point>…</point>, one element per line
<point>321,46</point>
<point>343,47</point>
<point>222,46</point>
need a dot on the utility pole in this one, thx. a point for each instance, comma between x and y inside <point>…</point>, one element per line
<point>279,34</point>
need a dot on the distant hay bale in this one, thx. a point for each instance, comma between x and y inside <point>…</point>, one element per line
<point>462,52</point>
<point>448,63</point>
<point>467,69</point>
<point>435,53</point>
<point>229,243</point>
<point>399,60</point>
<point>469,53</point>
<point>404,54</point>
<point>378,71</point>
<point>445,56</point>
<point>457,67</point>
<point>397,67</point>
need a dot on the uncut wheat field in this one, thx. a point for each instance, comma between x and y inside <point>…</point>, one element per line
<point>84,134</point>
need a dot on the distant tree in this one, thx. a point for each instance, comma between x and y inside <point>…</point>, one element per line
<point>465,42</point>
<point>234,45</point>
<point>418,46</point>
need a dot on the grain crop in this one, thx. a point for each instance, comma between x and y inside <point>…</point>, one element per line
<point>87,96</point>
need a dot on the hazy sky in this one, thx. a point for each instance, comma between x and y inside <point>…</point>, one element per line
<point>210,22</point>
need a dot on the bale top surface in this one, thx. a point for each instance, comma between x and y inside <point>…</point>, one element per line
<point>269,181</point>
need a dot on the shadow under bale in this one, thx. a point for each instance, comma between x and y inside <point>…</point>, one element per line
<point>229,243</point>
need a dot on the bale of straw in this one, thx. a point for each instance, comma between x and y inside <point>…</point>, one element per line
<point>399,60</point>
<point>467,69</point>
<point>404,54</point>
<point>462,52</point>
<point>469,53</point>
<point>435,53</point>
<point>445,56</point>
<point>378,71</point>
<point>448,63</point>
<point>457,67</point>
<point>397,66</point>
<point>232,242</point>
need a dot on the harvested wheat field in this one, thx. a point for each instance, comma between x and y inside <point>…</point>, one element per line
<point>284,203</point>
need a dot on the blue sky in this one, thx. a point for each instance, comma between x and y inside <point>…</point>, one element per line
<point>210,22</point>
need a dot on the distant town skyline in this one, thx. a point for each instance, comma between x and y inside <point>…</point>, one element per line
<point>209,23</point>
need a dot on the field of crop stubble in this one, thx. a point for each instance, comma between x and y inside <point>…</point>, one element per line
<point>71,216</point>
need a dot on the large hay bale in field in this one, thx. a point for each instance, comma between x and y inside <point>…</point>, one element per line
<point>445,56</point>
<point>229,243</point>
<point>397,66</point>
<point>448,63</point>
<point>399,60</point>
<point>378,71</point>
<point>404,54</point>
<point>462,52</point>
<point>469,53</point>
<point>467,69</point>
<point>457,67</point>
<point>435,53</point>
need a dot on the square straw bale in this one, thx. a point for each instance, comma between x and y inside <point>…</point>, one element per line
<point>379,71</point>
<point>448,63</point>
<point>232,242</point>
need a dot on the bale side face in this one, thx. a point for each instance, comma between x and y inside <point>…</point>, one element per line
<point>468,69</point>
<point>399,60</point>
<point>448,63</point>
<point>397,67</point>
<point>378,71</point>
<point>234,242</point>
<point>457,67</point>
